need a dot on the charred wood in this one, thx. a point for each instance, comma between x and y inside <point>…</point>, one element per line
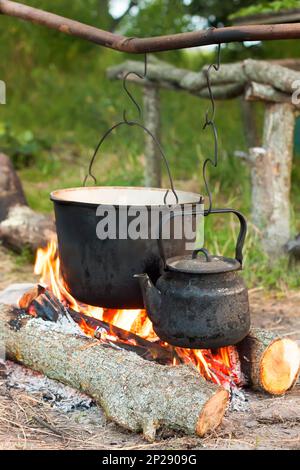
<point>43,304</point>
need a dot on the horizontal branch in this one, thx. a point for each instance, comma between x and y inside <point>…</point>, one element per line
<point>152,44</point>
<point>281,78</point>
<point>275,82</point>
<point>260,92</point>
<point>220,92</point>
<point>169,76</point>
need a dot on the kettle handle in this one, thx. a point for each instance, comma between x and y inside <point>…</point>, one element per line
<point>240,240</point>
<point>242,233</point>
<point>171,216</point>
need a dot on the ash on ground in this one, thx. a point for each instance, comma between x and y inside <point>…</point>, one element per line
<point>238,400</point>
<point>61,397</point>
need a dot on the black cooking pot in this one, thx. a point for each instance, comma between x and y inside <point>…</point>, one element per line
<point>199,301</point>
<point>100,272</point>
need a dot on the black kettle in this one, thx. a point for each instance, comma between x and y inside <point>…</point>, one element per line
<point>200,300</point>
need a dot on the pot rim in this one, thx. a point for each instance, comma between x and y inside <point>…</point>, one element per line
<point>191,198</point>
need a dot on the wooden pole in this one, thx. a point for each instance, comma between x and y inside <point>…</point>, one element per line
<point>271,167</point>
<point>152,44</point>
<point>152,122</point>
<point>249,122</point>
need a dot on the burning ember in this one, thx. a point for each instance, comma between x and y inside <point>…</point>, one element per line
<point>220,366</point>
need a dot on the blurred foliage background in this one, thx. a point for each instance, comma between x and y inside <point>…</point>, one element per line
<point>59,102</point>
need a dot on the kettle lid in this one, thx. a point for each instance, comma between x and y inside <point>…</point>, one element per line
<point>207,264</point>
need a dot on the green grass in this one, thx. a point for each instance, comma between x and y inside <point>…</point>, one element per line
<point>280,275</point>
<point>24,258</point>
<point>120,161</point>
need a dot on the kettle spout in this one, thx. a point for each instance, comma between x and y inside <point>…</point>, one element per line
<point>151,296</point>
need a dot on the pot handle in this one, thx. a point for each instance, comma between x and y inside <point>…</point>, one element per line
<point>240,240</point>
<point>242,233</point>
<point>141,126</point>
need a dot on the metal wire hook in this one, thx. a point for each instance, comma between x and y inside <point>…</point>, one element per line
<point>216,67</point>
<point>129,94</point>
<point>210,121</point>
<point>131,122</point>
<point>141,126</point>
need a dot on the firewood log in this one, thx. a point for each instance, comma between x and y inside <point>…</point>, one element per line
<point>11,191</point>
<point>137,394</point>
<point>45,305</point>
<point>270,363</point>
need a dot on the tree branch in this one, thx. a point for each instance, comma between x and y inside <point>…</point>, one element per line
<point>270,81</point>
<point>260,92</point>
<point>154,44</point>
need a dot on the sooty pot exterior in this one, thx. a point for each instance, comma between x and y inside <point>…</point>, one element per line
<point>198,311</point>
<point>100,272</point>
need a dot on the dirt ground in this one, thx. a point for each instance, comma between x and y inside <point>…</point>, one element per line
<point>28,422</point>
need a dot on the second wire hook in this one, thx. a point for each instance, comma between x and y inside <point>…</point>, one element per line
<point>129,94</point>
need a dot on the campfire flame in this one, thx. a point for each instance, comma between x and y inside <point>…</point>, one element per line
<point>220,366</point>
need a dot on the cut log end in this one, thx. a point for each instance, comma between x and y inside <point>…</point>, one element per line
<point>279,366</point>
<point>270,363</point>
<point>212,413</point>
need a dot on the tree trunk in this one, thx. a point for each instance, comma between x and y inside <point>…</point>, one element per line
<point>269,363</point>
<point>11,191</point>
<point>152,122</point>
<point>137,394</point>
<point>271,167</point>
<point>249,121</point>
